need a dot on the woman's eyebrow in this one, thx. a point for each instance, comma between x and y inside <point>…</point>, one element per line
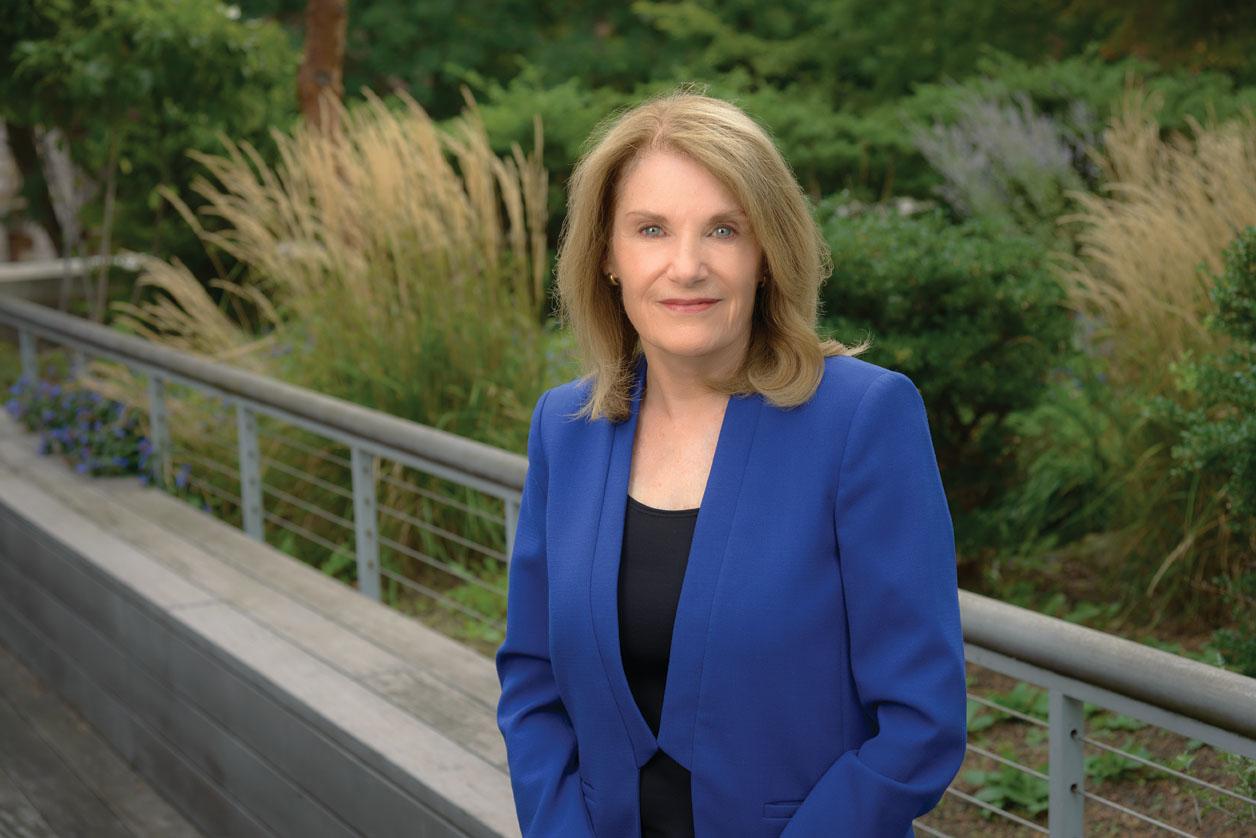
<point>722,215</point>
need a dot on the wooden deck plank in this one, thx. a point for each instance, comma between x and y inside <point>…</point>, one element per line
<point>18,818</point>
<point>70,768</point>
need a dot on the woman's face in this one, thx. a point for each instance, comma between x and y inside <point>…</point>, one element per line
<point>686,260</point>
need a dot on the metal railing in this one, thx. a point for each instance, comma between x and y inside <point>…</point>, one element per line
<point>1076,665</point>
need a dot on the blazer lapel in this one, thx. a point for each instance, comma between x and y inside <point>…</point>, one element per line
<point>706,556</point>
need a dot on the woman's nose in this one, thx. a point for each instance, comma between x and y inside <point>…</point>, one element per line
<point>687,258</point>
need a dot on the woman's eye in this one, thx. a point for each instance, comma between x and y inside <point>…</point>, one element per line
<point>649,227</point>
<point>731,232</point>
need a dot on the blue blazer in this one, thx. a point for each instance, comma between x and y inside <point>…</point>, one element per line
<point>816,681</point>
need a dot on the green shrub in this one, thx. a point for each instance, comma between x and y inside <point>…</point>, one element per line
<point>1238,644</point>
<point>1216,402</point>
<point>973,316</point>
<point>134,84</point>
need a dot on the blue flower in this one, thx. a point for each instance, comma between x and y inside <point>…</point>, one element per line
<point>120,461</point>
<point>181,479</point>
<point>82,467</point>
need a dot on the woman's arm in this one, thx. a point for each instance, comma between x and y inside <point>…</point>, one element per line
<point>540,741</point>
<point>896,552</point>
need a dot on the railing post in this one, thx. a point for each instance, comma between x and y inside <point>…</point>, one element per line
<point>365,522</point>
<point>30,361</point>
<point>158,430</point>
<point>250,471</point>
<point>78,364</point>
<point>512,521</point>
<point>1067,767</point>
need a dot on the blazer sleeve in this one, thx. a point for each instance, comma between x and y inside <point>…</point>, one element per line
<point>540,741</point>
<point>896,552</point>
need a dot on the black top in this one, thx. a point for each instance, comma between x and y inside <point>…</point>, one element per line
<point>652,568</point>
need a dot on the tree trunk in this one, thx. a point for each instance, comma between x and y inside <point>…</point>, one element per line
<point>34,184</point>
<point>106,231</point>
<point>322,68</point>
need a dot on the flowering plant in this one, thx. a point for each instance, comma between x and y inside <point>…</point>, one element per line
<point>98,436</point>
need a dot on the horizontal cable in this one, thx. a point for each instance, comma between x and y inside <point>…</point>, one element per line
<point>1001,812</point>
<point>301,475</point>
<point>1146,818</point>
<point>978,750</point>
<point>214,490</point>
<point>308,449</point>
<point>439,498</point>
<point>230,447</point>
<point>212,465</point>
<point>1008,710</point>
<point>439,597</point>
<point>307,506</point>
<point>297,529</point>
<point>1169,770</point>
<point>436,563</point>
<point>444,533</point>
<point>928,830</point>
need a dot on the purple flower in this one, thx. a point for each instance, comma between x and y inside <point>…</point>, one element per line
<point>181,479</point>
<point>82,467</point>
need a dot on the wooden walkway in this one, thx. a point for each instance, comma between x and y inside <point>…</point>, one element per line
<point>59,778</point>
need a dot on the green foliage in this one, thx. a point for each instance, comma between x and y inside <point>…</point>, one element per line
<point>860,51</point>
<point>972,315</point>
<point>1216,402</point>
<point>1237,645</point>
<point>1190,33</point>
<point>1067,449</point>
<point>1010,788</point>
<point>1105,720</point>
<point>1107,765</point>
<point>1055,86</point>
<point>1023,698</point>
<point>147,80</point>
<point>341,564</point>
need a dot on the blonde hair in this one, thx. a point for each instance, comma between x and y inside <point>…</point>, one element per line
<point>785,359</point>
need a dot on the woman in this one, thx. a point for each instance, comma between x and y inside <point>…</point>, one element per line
<point>807,678</point>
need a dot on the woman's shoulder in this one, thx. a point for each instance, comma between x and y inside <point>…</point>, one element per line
<point>846,379</point>
<point>560,403</point>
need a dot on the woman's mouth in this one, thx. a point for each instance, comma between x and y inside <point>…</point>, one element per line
<point>689,306</point>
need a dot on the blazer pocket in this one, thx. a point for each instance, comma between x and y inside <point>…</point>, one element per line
<point>781,808</point>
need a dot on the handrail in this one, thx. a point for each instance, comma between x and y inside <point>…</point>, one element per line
<point>502,469</point>
<point>1215,696</point>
